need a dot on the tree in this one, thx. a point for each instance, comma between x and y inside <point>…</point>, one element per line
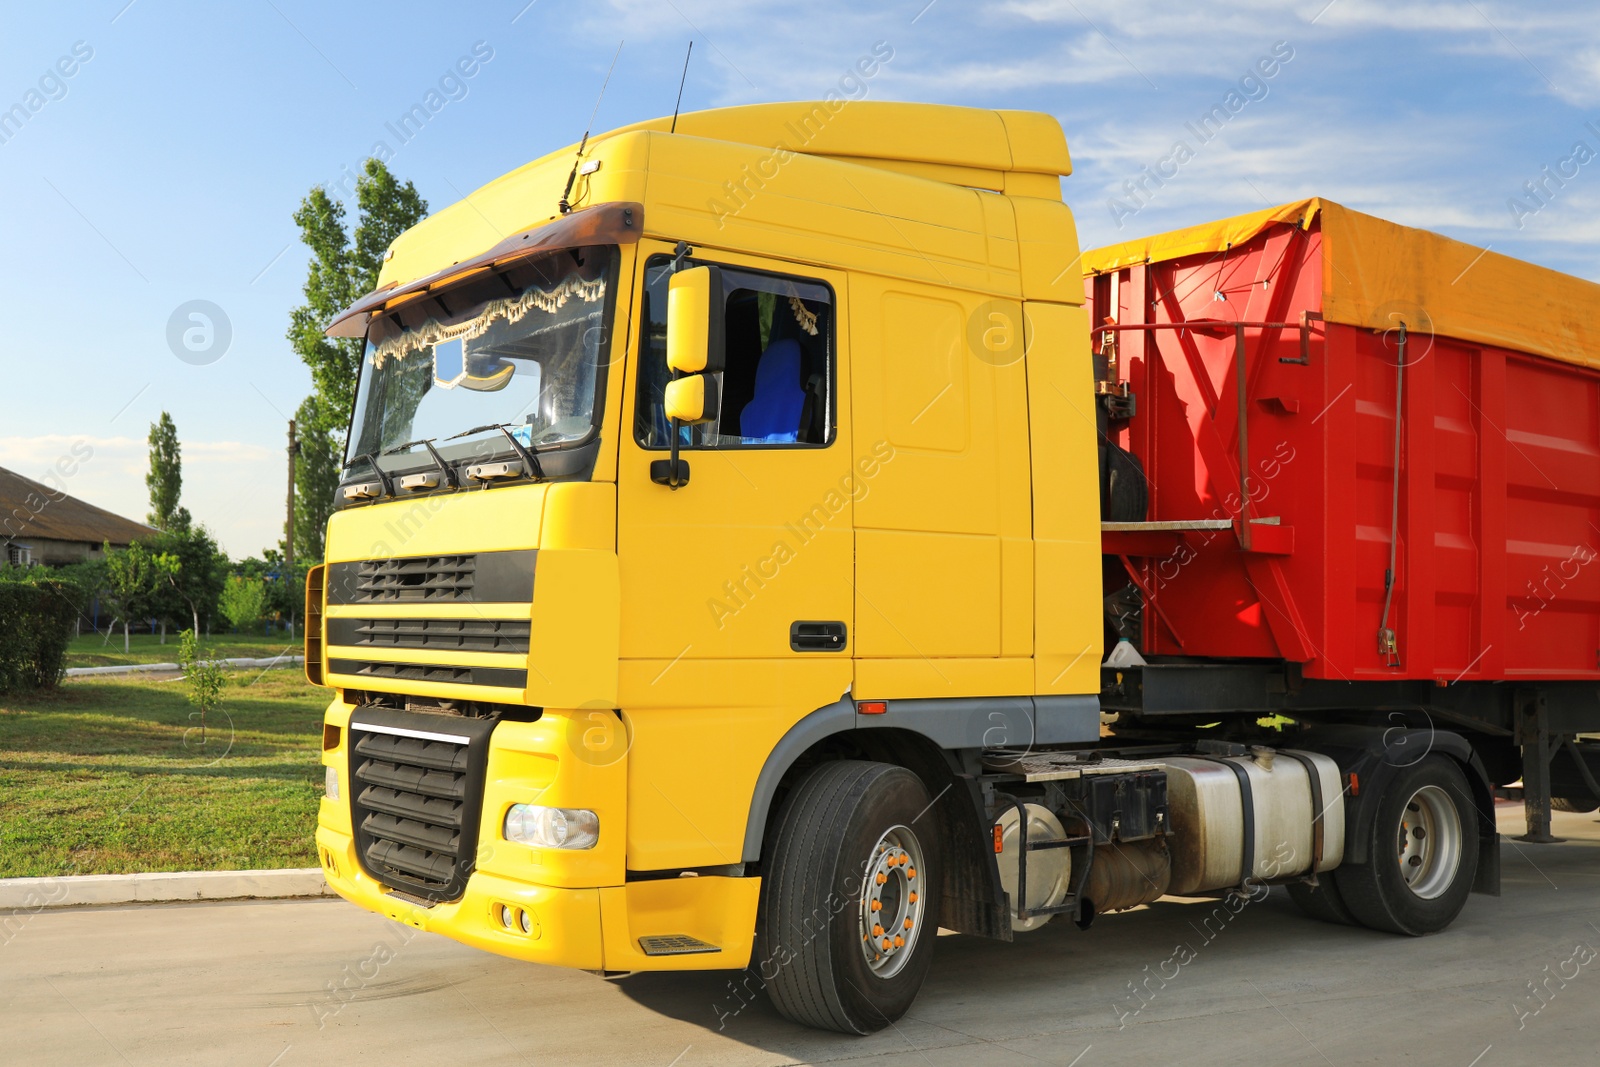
<point>243,601</point>
<point>189,593</point>
<point>344,266</point>
<point>90,577</point>
<point>316,474</point>
<point>202,675</point>
<point>285,592</point>
<point>166,476</point>
<point>136,575</point>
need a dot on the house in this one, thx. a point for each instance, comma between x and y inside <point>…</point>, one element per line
<point>39,524</point>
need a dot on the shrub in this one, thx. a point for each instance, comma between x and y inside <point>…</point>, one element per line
<point>37,616</point>
<point>243,601</point>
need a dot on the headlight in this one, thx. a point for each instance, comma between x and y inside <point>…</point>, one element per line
<point>330,784</point>
<point>542,827</point>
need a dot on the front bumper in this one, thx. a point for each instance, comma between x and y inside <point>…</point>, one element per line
<point>590,929</point>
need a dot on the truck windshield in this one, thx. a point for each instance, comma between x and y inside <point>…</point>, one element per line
<point>524,347</point>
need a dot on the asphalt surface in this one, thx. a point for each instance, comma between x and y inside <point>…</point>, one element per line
<point>254,983</point>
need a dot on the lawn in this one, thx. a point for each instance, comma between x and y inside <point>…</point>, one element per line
<point>93,650</point>
<point>108,775</point>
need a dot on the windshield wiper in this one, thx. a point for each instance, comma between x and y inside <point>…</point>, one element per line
<point>529,459</point>
<point>438,460</point>
<point>383,475</point>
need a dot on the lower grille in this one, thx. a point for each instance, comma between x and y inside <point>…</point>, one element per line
<point>416,797</point>
<point>505,677</point>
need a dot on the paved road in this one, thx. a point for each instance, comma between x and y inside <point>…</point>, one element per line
<point>247,983</point>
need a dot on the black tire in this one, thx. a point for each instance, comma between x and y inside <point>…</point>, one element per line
<point>817,888</point>
<point>1322,901</point>
<point>1577,806</point>
<point>1377,893</point>
<point>1124,489</point>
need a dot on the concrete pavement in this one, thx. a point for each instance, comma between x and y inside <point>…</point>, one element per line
<point>319,981</point>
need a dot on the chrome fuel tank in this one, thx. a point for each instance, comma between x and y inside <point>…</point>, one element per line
<point>1206,804</point>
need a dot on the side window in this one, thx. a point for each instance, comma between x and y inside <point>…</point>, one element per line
<point>778,388</point>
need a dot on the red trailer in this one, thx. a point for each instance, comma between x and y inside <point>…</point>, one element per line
<point>1372,456</point>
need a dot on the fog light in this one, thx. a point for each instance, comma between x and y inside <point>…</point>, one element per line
<point>542,827</point>
<point>526,921</point>
<point>330,783</point>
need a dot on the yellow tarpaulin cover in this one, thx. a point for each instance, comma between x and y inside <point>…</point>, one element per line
<point>1375,272</point>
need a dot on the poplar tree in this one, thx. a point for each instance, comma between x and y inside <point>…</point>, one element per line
<point>344,266</point>
<point>165,479</point>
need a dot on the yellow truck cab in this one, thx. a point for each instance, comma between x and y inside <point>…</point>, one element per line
<point>701,526</point>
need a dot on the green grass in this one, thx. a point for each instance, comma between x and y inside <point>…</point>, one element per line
<point>93,650</point>
<point>111,775</point>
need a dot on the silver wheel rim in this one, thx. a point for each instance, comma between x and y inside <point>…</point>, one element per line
<point>891,907</point>
<point>1429,842</point>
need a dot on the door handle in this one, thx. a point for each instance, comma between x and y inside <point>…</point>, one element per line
<point>817,636</point>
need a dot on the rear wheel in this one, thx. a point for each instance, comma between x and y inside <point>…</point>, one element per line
<point>849,913</point>
<point>1424,853</point>
<point>1577,805</point>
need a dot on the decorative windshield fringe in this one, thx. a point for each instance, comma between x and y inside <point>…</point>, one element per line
<point>512,309</point>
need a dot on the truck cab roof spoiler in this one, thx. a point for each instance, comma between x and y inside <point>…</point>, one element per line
<point>602,224</point>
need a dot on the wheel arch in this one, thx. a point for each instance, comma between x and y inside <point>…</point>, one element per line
<point>974,901</point>
<point>1376,754</point>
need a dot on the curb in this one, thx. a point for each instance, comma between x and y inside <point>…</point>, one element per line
<point>65,891</point>
<point>138,668</point>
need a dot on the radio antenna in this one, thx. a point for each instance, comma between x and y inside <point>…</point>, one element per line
<point>565,205</point>
<point>681,80</point>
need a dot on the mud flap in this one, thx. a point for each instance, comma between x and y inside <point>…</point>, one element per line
<point>1487,880</point>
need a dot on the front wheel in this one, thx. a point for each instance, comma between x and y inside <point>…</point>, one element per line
<point>1423,853</point>
<point>850,908</point>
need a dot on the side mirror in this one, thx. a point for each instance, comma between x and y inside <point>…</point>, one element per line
<point>695,341</point>
<point>691,399</point>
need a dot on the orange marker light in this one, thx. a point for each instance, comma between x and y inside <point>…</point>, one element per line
<point>999,845</point>
<point>1355,784</point>
<point>872,707</point>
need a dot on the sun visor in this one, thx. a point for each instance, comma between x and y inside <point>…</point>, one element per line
<point>602,224</point>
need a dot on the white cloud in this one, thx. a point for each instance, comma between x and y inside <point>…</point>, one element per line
<point>228,487</point>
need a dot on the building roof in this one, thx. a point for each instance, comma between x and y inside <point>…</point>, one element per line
<point>32,511</point>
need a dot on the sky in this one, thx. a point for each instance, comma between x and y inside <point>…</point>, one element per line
<point>165,167</point>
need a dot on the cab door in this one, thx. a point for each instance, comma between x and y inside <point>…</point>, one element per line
<point>752,559</point>
<point>737,591</point>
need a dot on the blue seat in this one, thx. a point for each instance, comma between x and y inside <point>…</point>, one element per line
<point>773,414</point>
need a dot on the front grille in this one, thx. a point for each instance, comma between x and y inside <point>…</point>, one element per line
<point>438,578</point>
<point>469,635</point>
<point>416,796</point>
<point>477,578</point>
